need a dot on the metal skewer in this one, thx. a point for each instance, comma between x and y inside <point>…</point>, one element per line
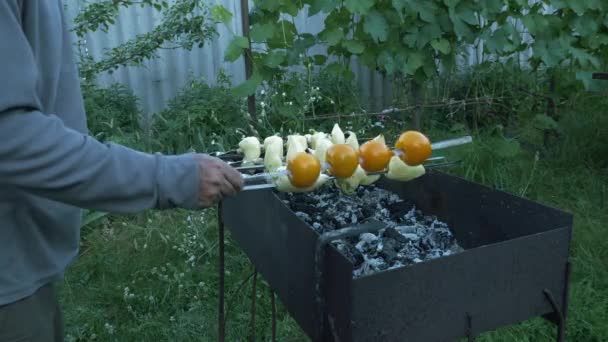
<point>267,176</point>
<point>272,185</point>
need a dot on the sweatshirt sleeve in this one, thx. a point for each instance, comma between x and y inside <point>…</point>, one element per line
<point>42,156</point>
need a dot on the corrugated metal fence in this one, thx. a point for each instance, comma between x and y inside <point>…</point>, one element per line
<point>159,80</point>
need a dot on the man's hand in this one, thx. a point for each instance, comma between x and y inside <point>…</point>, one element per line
<point>218,180</point>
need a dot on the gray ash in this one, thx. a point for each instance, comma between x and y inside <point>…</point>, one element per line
<point>410,237</point>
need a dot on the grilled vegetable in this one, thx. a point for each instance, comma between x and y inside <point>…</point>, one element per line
<point>337,136</point>
<point>273,153</point>
<point>304,170</point>
<point>400,171</point>
<point>321,150</point>
<point>343,160</point>
<point>294,146</point>
<point>415,147</point>
<point>375,155</point>
<point>250,146</point>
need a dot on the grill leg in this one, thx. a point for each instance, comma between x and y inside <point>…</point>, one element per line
<point>253,297</point>
<point>274,316</point>
<point>470,337</point>
<point>561,328</point>
<point>221,269</point>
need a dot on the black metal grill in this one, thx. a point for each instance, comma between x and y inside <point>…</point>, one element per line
<point>515,266</point>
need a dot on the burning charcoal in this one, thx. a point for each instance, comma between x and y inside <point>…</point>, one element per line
<point>389,250</point>
<point>410,237</point>
<point>392,233</point>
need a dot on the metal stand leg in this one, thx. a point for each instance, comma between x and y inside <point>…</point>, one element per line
<point>221,269</point>
<point>470,337</point>
<point>560,317</point>
<point>253,298</point>
<point>274,316</point>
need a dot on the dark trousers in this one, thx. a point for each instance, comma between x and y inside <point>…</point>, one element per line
<point>33,319</point>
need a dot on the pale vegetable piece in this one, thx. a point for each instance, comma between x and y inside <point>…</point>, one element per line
<point>273,155</point>
<point>352,140</point>
<point>400,171</point>
<point>380,139</point>
<point>294,147</point>
<point>273,139</point>
<point>337,136</point>
<point>308,139</point>
<point>300,139</point>
<point>283,183</point>
<point>321,149</point>
<point>314,139</point>
<point>349,185</point>
<point>251,148</point>
<point>369,180</point>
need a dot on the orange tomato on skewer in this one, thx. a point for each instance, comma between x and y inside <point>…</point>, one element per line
<point>343,160</point>
<point>415,148</point>
<point>304,170</point>
<point>375,156</point>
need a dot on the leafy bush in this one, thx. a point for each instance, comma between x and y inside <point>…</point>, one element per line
<point>113,113</point>
<point>201,118</point>
<point>298,101</point>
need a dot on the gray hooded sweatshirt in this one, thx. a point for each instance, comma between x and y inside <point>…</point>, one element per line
<point>49,166</point>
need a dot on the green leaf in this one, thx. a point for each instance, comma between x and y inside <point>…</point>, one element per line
<point>353,46</point>
<point>584,58</point>
<point>413,62</point>
<point>442,45</point>
<point>545,122</point>
<point>467,14</point>
<point>425,9</point>
<point>274,58</point>
<point>577,6</point>
<point>261,32</point>
<point>319,59</point>
<point>221,14</point>
<point>332,36</point>
<point>497,42</point>
<point>235,48</point>
<point>399,5</point>
<point>385,61</point>
<point>590,84</point>
<point>506,148</point>
<point>248,87</point>
<point>586,24</point>
<point>269,5</point>
<point>461,28</point>
<point>317,6</point>
<point>376,26</point>
<point>284,35</point>
<point>428,32</point>
<point>359,6</point>
<point>289,7</point>
<point>550,52</point>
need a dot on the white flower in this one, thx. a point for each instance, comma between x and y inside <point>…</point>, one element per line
<point>284,94</point>
<point>290,103</point>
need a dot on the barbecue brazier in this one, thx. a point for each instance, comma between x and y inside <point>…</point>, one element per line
<point>514,267</point>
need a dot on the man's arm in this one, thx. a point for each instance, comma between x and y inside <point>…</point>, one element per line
<point>39,154</point>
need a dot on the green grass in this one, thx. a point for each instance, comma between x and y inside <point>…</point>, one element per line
<point>168,259</point>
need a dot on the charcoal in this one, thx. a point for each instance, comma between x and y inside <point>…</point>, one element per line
<point>392,233</point>
<point>411,237</point>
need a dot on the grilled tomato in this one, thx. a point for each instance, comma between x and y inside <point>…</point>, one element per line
<point>343,160</point>
<point>375,156</point>
<point>304,169</point>
<point>415,147</point>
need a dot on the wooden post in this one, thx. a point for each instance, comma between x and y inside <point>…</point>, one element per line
<point>247,54</point>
